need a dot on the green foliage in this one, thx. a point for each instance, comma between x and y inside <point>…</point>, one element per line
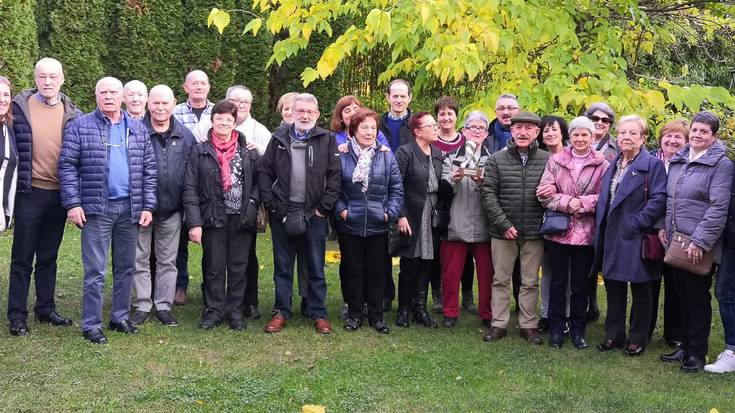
<point>75,35</point>
<point>19,43</point>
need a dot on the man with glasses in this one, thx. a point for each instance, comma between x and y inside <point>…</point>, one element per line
<point>40,116</point>
<point>108,186</point>
<point>514,215</point>
<point>299,179</point>
<point>499,130</point>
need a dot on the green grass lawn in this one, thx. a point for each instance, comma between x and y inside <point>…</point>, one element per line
<point>410,370</point>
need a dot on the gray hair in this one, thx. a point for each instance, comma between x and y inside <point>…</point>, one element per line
<point>476,115</point>
<point>602,107</point>
<point>135,84</point>
<point>48,61</point>
<point>581,122</point>
<point>109,79</point>
<point>306,97</point>
<point>163,90</point>
<point>186,79</point>
<point>637,120</point>
<point>238,87</point>
<point>506,96</point>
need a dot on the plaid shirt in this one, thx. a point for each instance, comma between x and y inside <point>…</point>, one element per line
<point>184,114</point>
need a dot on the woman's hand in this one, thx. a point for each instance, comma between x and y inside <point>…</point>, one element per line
<point>545,191</point>
<point>385,216</point>
<point>694,253</point>
<point>456,176</point>
<point>574,205</point>
<point>343,215</point>
<point>195,235</point>
<point>403,226</point>
<point>662,237</point>
<point>342,147</point>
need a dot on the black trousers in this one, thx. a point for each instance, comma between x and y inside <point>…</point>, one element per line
<point>226,251</point>
<point>413,282</point>
<point>251,288</point>
<point>694,291</point>
<point>389,291</point>
<point>673,305</point>
<point>640,312</point>
<point>363,274</point>
<point>39,229</point>
<point>569,264</point>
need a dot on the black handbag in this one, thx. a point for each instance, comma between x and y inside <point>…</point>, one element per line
<point>554,222</point>
<point>294,223</point>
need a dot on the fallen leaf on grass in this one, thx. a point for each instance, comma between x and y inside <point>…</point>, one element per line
<point>458,378</point>
<point>313,408</point>
<point>714,410</point>
<point>332,257</point>
<point>288,353</point>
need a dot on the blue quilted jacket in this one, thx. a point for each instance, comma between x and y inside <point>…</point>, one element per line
<point>365,209</point>
<point>23,135</point>
<point>83,165</point>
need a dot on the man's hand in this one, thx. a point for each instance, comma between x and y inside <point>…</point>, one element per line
<point>76,215</point>
<point>195,235</point>
<point>403,226</point>
<point>343,215</point>
<point>511,233</point>
<point>317,213</point>
<point>146,217</point>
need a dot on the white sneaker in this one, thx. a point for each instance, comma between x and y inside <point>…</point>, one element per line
<point>725,363</point>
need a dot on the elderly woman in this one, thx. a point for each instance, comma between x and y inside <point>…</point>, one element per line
<point>8,154</point>
<point>672,138</point>
<point>371,197</point>
<point>698,189</point>
<point>571,184</point>
<point>632,199</point>
<point>468,227</point>
<point>554,138</point>
<point>421,167</point>
<point>221,199</point>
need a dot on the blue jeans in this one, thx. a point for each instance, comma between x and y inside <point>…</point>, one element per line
<point>312,246</point>
<point>725,293</point>
<point>113,225</point>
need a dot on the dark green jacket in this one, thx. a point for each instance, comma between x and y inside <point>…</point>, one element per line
<point>509,191</point>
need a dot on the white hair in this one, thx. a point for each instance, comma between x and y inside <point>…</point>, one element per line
<point>581,122</point>
<point>109,79</point>
<point>196,72</point>
<point>231,89</point>
<point>135,84</point>
<point>48,61</point>
<point>306,97</point>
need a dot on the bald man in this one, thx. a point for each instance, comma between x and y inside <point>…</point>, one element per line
<point>196,107</point>
<point>108,187</point>
<point>40,116</point>
<point>172,144</point>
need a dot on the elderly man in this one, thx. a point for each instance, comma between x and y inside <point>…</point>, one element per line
<point>40,116</point>
<point>172,144</point>
<point>299,177</point>
<point>257,137</point>
<point>499,130</point>
<point>108,186</point>
<point>189,113</point>
<point>514,214</point>
<point>135,95</point>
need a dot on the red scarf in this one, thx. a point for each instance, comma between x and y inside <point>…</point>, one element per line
<point>225,151</point>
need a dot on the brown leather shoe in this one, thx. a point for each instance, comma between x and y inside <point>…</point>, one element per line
<point>322,326</point>
<point>495,334</point>
<point>276,324</point>
<point>180,297</point>
<point>532,336</point>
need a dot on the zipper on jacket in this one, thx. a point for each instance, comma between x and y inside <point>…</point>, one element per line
<point>523,197</point>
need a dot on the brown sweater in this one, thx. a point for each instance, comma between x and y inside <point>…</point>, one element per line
<point>46,129</point>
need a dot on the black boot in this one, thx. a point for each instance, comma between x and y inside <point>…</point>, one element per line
<point>420,315</point>
<point>402,318</point>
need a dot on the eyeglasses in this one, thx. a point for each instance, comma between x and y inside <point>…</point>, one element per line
<point>476,128</point>
<point>604,120</point>
<point>433,126</point>
<point>307,112</point>
<point>506,108</point>
<point>238,102</point>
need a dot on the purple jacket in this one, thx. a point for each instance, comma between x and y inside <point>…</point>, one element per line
<point>699,195</point>
<point>587,188</point>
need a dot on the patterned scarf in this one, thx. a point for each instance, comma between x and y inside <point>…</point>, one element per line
<point>364,159</point>
<point>225,151</point>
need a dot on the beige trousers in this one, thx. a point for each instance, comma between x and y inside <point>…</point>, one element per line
<point>505,253</point>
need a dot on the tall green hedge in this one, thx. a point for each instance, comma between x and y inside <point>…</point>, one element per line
<point>74,32</point>
<point>18,43</point>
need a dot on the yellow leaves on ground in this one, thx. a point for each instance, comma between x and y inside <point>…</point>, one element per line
<point>220,19</point>
<point>313,408</point>
<point>332,257</point>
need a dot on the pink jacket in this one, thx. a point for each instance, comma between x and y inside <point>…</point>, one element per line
<point>587,188</point>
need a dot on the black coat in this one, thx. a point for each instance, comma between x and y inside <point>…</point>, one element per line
<point>204,198</point>
<point>323,172</point>
<point>172,155</point>
<point>414,166</point>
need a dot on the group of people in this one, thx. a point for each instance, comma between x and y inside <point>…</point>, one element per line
<point>501,199</point>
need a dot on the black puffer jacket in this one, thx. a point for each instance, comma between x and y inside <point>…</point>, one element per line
<point>323,172</point>
<point>204,199</point>
<point>509,191</point>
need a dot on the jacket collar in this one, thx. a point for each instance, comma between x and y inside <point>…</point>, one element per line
<point>713,155</point>
<point>21,99</point>
<point>565,158</point>
<point>435,152</point>
<point>175,128</point>
<point>513,149</point>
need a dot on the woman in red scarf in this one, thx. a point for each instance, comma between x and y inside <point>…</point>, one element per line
<point>221,200</point>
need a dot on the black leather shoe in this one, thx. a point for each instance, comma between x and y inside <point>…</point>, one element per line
<point>676,356</point>
<point>352,324</point>
<point>608,344</point>
<point>579,342</point>
<point>422,317</point>
<point>95,336</point>
<point>19,328</point>
<point>123,327</point>
<point>632,350</point>
<point>237,324</point>
<point>381,327</point>
<point>165,317</point>
<point>543,324</point>
<point>402,317</point>
<point>54,319</point>
<point>692,365</point>
<point>139,318</point>
<point>251,312</point>
<point>449,322</point>
<point>208,323</point>
<point>556,340</point>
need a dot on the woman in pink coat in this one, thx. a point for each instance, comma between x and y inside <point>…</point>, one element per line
<point>571,185</point>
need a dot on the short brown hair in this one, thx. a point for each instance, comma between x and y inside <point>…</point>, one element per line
<point>446,102</point>
<point>337,125</point>
<point>360,116</point>
<point>677,125</point>
<point>8,117</point>
<point>224,106</point>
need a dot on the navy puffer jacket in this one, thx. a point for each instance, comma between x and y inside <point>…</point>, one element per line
<point>83,167</point>
<point>384,195</point>
<point>24,135</point>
